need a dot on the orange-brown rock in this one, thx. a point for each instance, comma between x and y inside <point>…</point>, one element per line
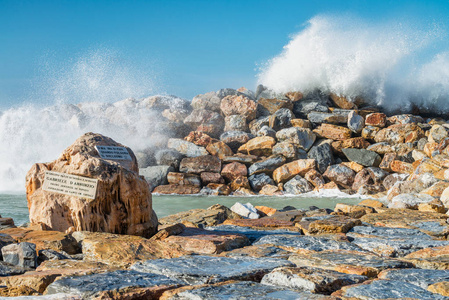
<point>315,178</point>
<point>358,142</point>
<point>219,189</point>
<point>273,105</point>
<point>270,190</point>
<point>36,280</point>
<point>376,119</point>
<point>430,258</point>
<point>334,132</point>
<point>209,177</point>
<point>262,222</point>
<point>290,170</point>
<point>387,160</point>
<point>202,241</point>
<point>301,123</point>
<point>269,211</point>
<point>433,206</point>
<point>436,190</point>
<point>233,170</point>
<point>369,132</point>
<point>14,291</point>
<point>239,105</point>
<point>240,182</point>
<point>441,288</point>
<point>183,179</point>
<point>399,133</point>
<point>442,160</point>
<point>336,224</point>
<point>342,102</point>
<point>122,201</point>
<point>199,138</point>
<point>260,146</point>
<point>372,203</point>
<point>242,191</point>
<point>123,250</point>
<point>350,208</point>
<point>330,186</point>
<point>219,149</point>
<point>429,148</point>
<point>401,167</point>
<point>353,166</point>
<point>294,96</point>
<point>55,240</point>
<point>181,189</point>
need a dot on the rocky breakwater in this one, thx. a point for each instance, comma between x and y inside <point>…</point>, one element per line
<point>272,144</point>
<point>364,251</point>
<point>93,186</point>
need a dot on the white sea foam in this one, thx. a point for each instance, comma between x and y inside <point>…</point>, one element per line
<point>392,64</point>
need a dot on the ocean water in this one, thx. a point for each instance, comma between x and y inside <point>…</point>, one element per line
<point>15,206</point>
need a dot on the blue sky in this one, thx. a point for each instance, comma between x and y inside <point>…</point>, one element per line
<point>184,47</point>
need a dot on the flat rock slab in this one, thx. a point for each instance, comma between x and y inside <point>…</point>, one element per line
<point>250,233</point>
<point>407,218</point>
<point>207,242</point>
<point>211,269</point>
<point>331,224</point>
<point>351,262</point>
<point>45,297</point>
<point>386,289</point>
<point>420,277</point>
<point>262,222</point>
<point>90,285</point>
<point>392,242</point>
<point>313,243</point>
<point>259,251</point>
<point>430,258</point>
<point>242,290</point>
<point>311,279</point>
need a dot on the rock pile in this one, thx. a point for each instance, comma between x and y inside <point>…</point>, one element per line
<point>272,144</point>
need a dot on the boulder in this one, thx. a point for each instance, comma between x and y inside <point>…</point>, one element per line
<point>267,165</point>
<point>270,190</point>
<point>369,132</point>
<point>376,119</point>
<point>289,151</point>
<point>364,157</point>
<point>209,101</point>
<point>256,125</point>
<point>156,175</point>
<point>241,186</point>
<point>315,178</point>
<point>186,148</point>
<point>184,179</point>
<point>179,189</point>
<point>245,210</point>
<point>312,102</point>
<point>209,177</point>
<point>199,138</point>
<point>410,201</point>
<point>322,154</point>
<point>301,123</point>
<point>121,203</point>
<point>199,164</point>
<point>302,137</point>
<point>260,146</point>
<point>169,157</point>
<point>342,102</point>
<point>22,255</point>
<point>281,119</point>
<point>387,160</point>
<point>235,123</point>
<point>355,122</point>
<point>216,189</point>
<point>437,133</point>
<point>334,132</point>
<point>234,139</point>
<point>233,170</point>
<point>219,149</point>
<point>258,181</point>
<point>297,185</point>
<point>331,118</point>
<point>290,170</point>
<point>273,105</point>
<point>239,105</point>
<point>266,131</point>
<point>206,121</point>
<point>341,175</point>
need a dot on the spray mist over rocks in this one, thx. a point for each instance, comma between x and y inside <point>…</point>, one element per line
<point>82,98</point>
<point>394,65</point>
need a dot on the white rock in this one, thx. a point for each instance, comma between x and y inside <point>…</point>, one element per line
<point>245,210</point>
<point>410,201</point>
<point>355,122</point>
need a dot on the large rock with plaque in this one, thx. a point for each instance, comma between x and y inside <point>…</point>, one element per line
<point>93,186</point>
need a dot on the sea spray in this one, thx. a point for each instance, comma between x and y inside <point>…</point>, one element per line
<point>396,65</point>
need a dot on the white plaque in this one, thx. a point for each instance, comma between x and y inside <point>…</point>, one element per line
<point>113,152</point>
<point>72,185</point>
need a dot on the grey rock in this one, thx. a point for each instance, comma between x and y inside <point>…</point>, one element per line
<point>250,233</point>
<point>242,291</point>
<point>313,243</point>
<point>303,137</point>
<point>355,122</point>
<point>392,242</point>
<point>420,277</point>
<point>234,139</point>
<point>235,123</point>
<point>433,228</point>
<point>227,92</point>
<point>7,269</point>
<point>49,254</point>
<point>186,148</point>
<point>209,101</point>
<point>267,165</point>
<point>6,239</point>
<point>390,289</point>
<point>202,116</point>
<point>314,280</point>
<point>266,131</point>
<point>289,150</point>
<point>297,185</point>
<point>364,157</point>
<point>282,118</point>
<point>145,158</point>
<point>314,101</point>
<point>169,157</point>
<point>410,200</point>
<point>391,179</point>
<point>323,156</point>
<point>22,255</point>
<point>324,117</point>
<point>211,269</point>
<point>258,181</point>
<point>256,125</point>
<point>90,285</point>
<point>156,175</point>
<point>264,92</point>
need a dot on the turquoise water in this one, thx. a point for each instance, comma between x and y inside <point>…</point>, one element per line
<point>15,206</point>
